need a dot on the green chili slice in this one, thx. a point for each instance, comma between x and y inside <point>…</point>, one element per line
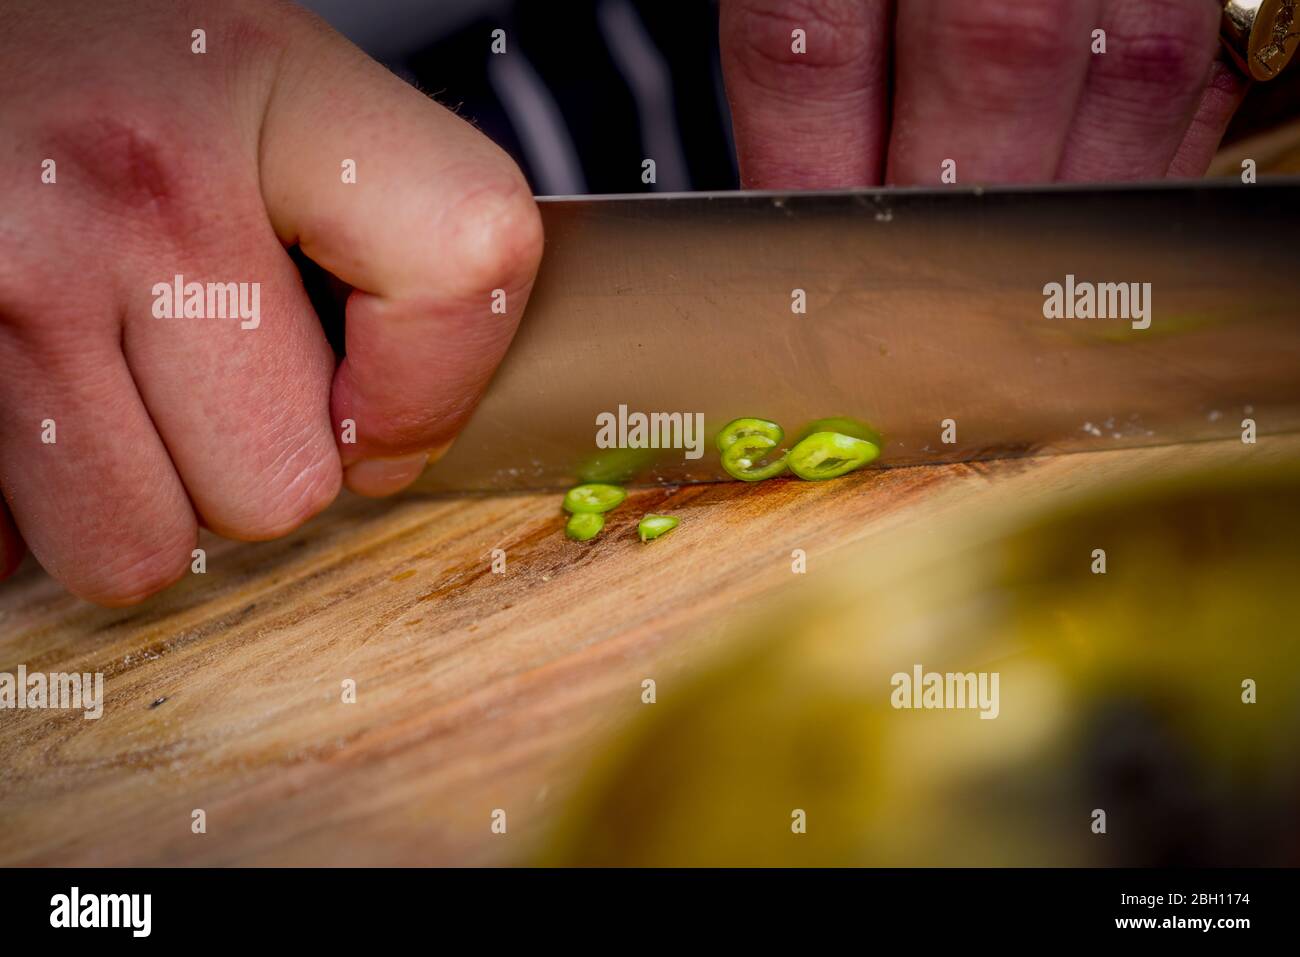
<point>584,526</point>
<point>652,526</point>
<point>827,455</point>
<point>593,498</point>
<point>618,465</point>
<point>743,428</point>
<point>845,426</point>
<point>743,459</point>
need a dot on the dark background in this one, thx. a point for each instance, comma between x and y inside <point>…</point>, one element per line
<point>590,88</point>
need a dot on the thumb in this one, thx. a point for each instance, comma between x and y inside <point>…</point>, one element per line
<point>430,222</point>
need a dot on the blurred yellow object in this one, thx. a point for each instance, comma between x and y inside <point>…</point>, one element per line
<point>1127,692</point>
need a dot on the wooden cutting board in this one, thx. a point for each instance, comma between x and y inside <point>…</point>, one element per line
<point>476,691</point>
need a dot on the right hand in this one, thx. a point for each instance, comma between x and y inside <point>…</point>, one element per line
<point>211,165</point>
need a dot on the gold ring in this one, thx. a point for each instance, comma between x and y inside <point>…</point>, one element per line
<point>1261,35</point>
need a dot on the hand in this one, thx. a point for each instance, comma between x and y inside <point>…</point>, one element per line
<point>1011,91</point>
<point>210,166</point>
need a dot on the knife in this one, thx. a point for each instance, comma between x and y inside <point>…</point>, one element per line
<point>933,316</point>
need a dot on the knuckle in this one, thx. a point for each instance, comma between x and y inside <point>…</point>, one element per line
<point>258,31</point>
<point>1005,42</point>
<point>283,493</point>
<point>838,52</point>
<point>118,148</point>
<point>496,230</point>
<point>405,426</point>
<point>1174,59</point>
<point>135,570</point>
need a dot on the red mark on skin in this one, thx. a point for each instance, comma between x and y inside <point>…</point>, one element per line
<point>119,160</point>
<point>130,171</point>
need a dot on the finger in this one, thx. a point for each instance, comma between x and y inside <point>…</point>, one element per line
<point>1142,93</point>
<point>809,111</point>
<point>1219,103</point>
<point>437,229</point>
<point>11,544</point>
<point>234,368</point>
<point>87,478</point>
<point>987,84</point>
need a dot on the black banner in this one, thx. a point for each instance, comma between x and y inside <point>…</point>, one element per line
<point>180,907</point>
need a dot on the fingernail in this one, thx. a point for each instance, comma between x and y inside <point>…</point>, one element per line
<point>439,451</point>
<point>377,477</point>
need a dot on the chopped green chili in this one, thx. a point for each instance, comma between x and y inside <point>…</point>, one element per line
<point>618,465</point>
<point>584,526</point>
<point>652,526</point>
<point>827,455</point>
<point>750,451</point>
<point>845,426</point>
<point>593,498</point>
<point>743,457</point>
<point>743,428</point>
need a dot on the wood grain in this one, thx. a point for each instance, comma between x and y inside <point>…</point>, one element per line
<point>476,690</point>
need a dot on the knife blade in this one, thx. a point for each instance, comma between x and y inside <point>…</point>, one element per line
<point>925,314</point>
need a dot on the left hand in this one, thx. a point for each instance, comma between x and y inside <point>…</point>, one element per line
<point>1012,91</point>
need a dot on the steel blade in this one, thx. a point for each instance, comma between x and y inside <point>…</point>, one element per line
<point>924,309</point>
